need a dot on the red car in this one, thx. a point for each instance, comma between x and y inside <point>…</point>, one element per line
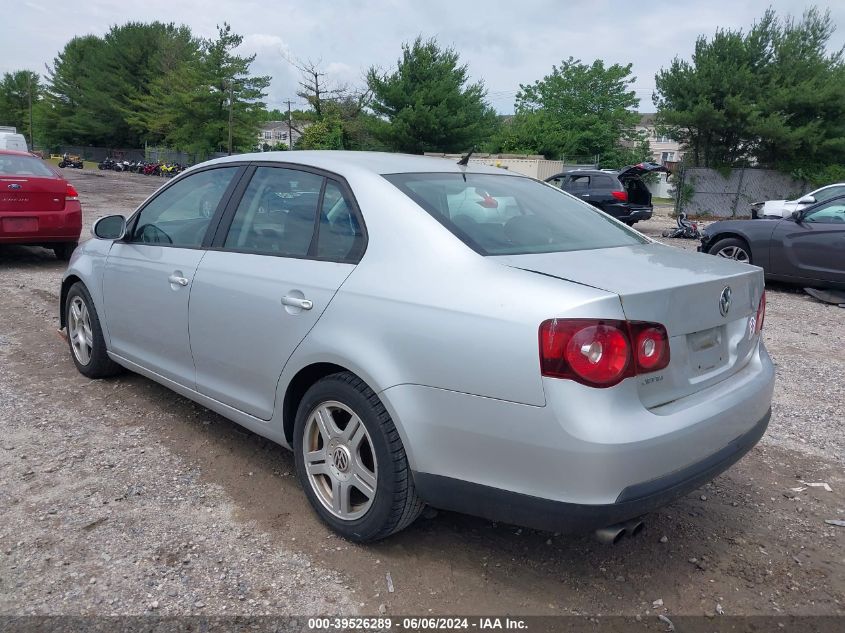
<point>37,205</point>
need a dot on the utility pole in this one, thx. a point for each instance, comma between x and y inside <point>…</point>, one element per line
<point>231,95</point>
<point>290,128</point>
<point>29,76</point>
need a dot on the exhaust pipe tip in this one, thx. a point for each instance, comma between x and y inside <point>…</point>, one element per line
<point>611,534</point>
<point>634,527</point>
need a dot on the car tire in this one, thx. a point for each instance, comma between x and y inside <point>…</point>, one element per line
<point>732,248</point>
<point>81,318</point>
<point>345,441</point>
<point>64,250</point>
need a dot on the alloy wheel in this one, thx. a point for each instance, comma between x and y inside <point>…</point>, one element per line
<point>339,460</point>
<point>734,252</point>
<point>79,331</point>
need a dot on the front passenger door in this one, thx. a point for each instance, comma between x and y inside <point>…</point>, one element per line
<point>148,275</point>
<point>814,247</point>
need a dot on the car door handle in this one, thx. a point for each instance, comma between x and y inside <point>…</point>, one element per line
<point>179,281</point>
<point>296,302</point>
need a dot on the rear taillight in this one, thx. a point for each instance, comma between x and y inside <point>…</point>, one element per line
<point>761,313</point>
<point>71,193</point>
<point>622,196</point>
<point>651,346</point>
<point>601,353</point>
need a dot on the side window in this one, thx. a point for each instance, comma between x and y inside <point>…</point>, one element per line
<point>557,181</point>
<point>340,236</point>
<point>277,213</point>
<point>831,213</point>
<point>578,184</point>
<point>603,182</point>
<point>180,214</point>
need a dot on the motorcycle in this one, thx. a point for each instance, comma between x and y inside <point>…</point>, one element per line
<point>71,161</point>
<point>686,229</point>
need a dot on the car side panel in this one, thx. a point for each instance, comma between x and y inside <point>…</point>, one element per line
<point>88,263</point>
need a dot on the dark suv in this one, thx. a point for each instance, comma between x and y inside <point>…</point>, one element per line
<point>621,194</point>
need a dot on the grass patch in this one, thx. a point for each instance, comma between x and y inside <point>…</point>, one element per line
<point>656,200</point>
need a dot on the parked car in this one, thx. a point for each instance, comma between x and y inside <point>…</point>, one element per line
<point>784,208</point>
<point>10,139</point>
<point>502,367</point>
<point>807,248</point>
<point>37,205</point>
<point>621,194</point>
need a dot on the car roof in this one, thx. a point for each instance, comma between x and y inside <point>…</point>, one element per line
<point>15,152</point>
<point>343,162</point>
<point>586,172</point>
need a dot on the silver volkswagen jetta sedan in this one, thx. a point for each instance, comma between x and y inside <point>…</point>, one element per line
<point>422,332</point>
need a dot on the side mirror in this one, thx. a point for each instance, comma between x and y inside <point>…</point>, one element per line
<point>808,199</point>
<point>797,215</point>
<point>111,227</point>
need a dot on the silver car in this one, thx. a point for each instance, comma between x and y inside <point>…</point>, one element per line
<point>422,332</point>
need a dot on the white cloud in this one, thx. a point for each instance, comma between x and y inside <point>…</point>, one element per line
<point>503,42</point>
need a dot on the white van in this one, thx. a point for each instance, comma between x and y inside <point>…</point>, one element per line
<point>10,139</point>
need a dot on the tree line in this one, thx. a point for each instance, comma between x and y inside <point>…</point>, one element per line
<point>772,95</point>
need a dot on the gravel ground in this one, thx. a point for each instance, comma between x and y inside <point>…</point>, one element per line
<point>120,497</point>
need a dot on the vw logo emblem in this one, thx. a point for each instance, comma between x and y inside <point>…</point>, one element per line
<point>340,457</point>
<point>14,185</point>
<point>725,301</point>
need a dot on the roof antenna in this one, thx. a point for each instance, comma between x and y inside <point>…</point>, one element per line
<point>465,158</point>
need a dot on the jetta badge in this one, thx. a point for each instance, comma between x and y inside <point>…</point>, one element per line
<point>725,301</point>
<point>14,185</point>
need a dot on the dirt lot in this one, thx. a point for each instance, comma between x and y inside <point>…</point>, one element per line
<point>120,497</point>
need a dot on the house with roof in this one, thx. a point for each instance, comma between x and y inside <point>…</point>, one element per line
<point>664,149</point>
<point>273,133</point>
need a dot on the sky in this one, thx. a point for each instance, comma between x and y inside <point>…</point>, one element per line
<point>503,42</point>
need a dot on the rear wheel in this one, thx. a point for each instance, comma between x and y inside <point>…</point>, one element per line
<point>85,336</point>
<point>732,248</point>
<point>64,250</point>
<point>351,462</point>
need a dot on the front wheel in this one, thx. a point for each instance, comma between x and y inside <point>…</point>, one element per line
<point>85,336</point>
<point>351,462</point>
<point>732,248</point>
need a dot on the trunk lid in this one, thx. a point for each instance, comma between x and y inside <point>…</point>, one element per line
<point>678,289</point>
<point>31,194</point>
<point>635,171</point>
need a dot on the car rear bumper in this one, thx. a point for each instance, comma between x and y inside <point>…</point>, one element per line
<point>596,454</point>
<point>45,227</point>
<point>544,514</point>
<point>625,212</point>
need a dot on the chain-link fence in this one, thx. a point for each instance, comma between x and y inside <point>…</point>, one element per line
<point>703,191</point>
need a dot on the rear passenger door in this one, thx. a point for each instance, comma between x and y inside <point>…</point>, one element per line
<point>283,249</point>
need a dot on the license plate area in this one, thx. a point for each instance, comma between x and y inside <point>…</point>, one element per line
<point>20,225</point>
<point>708,349</point>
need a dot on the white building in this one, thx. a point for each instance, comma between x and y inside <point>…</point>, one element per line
<point>663,148</point>
<point>274,132</point>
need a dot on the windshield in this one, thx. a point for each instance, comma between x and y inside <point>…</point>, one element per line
<point>511,215</point>
<point>13,165</point>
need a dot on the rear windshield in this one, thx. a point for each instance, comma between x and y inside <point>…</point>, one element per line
<point>511,215</point>
<point>11,165</point>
